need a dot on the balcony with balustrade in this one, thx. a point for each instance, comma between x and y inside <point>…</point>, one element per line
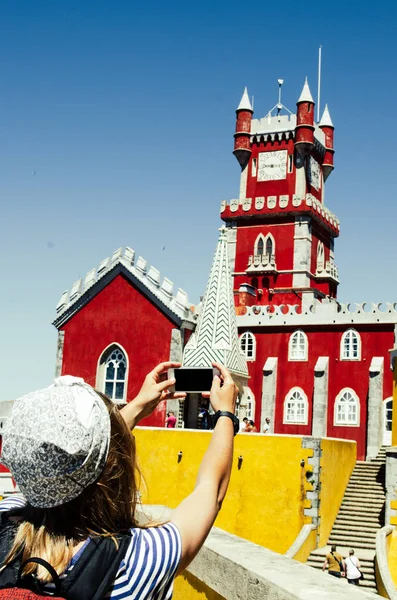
<point>327,271</point>
<point>261,263</point>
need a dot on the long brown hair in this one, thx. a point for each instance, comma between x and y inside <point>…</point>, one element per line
<point>105,508</point>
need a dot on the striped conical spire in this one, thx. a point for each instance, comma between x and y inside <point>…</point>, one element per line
<point>216,336</point>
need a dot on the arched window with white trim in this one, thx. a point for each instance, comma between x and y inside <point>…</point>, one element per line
<point>350,346</point>
<point>112,373</point>
<point>248,345</point>
<point>320,257</point>
<point>296,407</point>
<point>298,346</point>
<point>265,246</point>
<point>347,408</point>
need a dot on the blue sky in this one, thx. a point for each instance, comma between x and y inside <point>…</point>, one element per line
<point>116,128</point>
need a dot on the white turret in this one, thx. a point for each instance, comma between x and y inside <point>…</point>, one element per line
<point>245,103</point>
<point>306,95</point>
<point>326,120</point>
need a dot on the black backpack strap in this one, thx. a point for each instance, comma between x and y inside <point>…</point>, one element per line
<point>94,572</point>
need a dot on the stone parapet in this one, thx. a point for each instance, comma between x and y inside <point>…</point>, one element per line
<point>327,312</point>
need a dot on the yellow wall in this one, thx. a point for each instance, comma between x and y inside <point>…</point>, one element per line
<point>188,587</point>
<point>337,463</point>
<point>266,497</point>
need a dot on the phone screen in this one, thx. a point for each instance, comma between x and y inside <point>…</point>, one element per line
<point>193,380</point>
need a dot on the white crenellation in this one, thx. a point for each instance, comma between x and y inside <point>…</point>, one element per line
<point>129,256</point>
<point>326,312</point>
<point>154,276</point>
<point>149,277</point>
<point>167,287</point>
<point>116,255</point>
<point>90,278</point>
<point>63,303</point>
<point>104,265</point>
<point>141,265</point>
<point>76,290</point>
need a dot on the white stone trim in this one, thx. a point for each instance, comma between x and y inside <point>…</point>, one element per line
<point>305,405</point>
<point>351,333</point>
<point>300,334</point>
<point>320,257</point>
<point>357,404</point>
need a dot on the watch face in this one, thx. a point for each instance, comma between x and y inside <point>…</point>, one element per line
<point>313,173</point>
<point>272,165</point>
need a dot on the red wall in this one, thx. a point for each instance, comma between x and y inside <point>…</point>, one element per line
<point>119,314</point>
<point>276,187</point>
<point>323,341</point>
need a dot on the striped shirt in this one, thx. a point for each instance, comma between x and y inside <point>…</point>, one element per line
<point>148,568</point>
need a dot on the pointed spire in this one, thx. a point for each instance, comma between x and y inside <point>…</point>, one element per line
<point>216,336</point>
<point>326,120</point>
<point>245,103</point>
<point>306,95</point>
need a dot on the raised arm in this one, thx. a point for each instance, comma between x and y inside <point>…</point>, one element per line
<point>155,388</point>
<point>196,514</point>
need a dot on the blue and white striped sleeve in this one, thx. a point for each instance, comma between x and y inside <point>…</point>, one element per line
<point>150,564</point>
<point>15,501</point>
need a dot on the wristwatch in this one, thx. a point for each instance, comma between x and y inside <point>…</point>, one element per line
<point>226,413</point>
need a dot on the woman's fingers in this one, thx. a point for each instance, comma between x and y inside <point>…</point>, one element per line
<point>163,367</point>
<point>225,373</point>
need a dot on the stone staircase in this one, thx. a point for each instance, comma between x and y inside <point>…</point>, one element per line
<point>360,516</point>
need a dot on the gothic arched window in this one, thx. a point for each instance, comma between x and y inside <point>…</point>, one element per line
<point>265,246</point>
<point>248,345</point>
<point>298,346</point>
<point>350,347</point>
<point>296,407</point>
<point>347,408</point>
<point>112,373</point>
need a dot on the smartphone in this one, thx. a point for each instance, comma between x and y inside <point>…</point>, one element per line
<point>193,380</point>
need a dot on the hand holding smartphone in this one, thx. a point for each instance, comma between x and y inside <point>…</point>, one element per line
<point>193,380</point>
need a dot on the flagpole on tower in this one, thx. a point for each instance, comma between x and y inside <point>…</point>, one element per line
<point>319,83</point>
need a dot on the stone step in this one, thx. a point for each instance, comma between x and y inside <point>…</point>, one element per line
<point>370,495</point>
<point>361,543</point>
<point>370,502</point>
<point>362,506</point>
<point>362,527</point>
<point>358,519</point>
<point>364,489</point>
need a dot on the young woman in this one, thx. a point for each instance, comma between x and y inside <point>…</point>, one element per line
<point>70,450</point>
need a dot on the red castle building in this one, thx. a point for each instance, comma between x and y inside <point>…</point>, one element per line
<point>316,367</point>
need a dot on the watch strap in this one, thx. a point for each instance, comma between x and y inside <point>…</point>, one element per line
<point>231,416</point>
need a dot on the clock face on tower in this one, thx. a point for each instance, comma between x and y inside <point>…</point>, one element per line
<point>313,173</point>
<point>272,165</point>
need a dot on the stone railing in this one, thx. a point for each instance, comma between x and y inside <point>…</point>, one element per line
<point>260,263</point>
<point>384,580</point>
<point>329,270</point>
<point>235,568</point>
<point>328,311</point>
